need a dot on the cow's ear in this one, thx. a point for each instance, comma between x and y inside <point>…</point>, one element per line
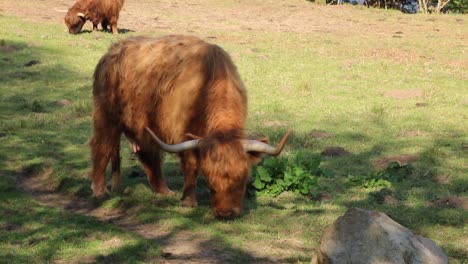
<point>256,157</point>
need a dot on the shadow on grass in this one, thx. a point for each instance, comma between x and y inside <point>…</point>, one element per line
<point>43,137</point>
<point>417,194</point>
<point>51,234</point>
<point>40,134</point>
<point>120,30</point>
<point>26,71</point>
<point>29,133</point>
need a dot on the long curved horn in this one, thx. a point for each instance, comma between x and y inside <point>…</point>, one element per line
<point>186,145</point>
<point>258,146</point>
<point>60,10</point>
<point>81,15</point>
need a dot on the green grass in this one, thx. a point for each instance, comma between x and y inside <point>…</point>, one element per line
<point>31,233</point>
<point>307,82</point>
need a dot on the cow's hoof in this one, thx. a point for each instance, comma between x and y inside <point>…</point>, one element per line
<point>189,203</point>
<point>98,200</point>
<point>102,196</point>
<point>100,193</point>
<point>165,192</point>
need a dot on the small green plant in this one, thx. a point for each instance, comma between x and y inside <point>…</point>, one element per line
<point>394,172</point>
<point>377,183</point>
<point>298,174</point>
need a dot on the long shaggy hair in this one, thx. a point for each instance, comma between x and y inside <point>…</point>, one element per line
<point>104,12</point>
<point>174,85</point>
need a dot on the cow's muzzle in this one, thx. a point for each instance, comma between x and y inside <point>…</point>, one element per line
<point>228,213</point>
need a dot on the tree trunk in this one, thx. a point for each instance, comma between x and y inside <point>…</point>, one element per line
<point>440,5</point>
<point>424,6</point>
<point>421,9</point>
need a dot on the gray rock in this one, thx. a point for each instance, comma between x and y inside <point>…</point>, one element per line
<point>367,237</point>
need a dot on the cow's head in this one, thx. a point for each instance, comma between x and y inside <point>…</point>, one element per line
<point>225,162</point>
<point>74,21</point>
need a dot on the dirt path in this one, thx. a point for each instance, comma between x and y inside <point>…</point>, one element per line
<point>205,17</point>
<point>182,246</point>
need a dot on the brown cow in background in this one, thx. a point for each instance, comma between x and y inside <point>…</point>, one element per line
<point>178,87</point>
<point>104,12</point>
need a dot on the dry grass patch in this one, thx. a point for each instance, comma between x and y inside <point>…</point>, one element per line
<point>402,159</point>
<point>404,94</point>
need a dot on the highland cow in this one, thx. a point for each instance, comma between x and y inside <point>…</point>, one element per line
<point>181,95</point>
<point>104,12</point>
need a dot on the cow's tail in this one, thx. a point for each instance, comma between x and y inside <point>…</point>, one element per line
<point>106,78</point>
<point>107,70</point>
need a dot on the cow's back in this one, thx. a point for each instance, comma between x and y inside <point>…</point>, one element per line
<point>111,8</point>
<point>104,10</point>
<point>161,83</point>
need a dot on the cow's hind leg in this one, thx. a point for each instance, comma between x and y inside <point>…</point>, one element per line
<point>151,160</point>
<point>113,24</point>
<point>116,176</point>
<point>189,166</point>
<point>105,145</point>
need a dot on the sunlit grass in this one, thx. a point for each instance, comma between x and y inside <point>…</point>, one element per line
<point>309,82</point>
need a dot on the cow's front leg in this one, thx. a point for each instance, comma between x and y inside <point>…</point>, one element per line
<point>190,169</point>
<point>104,25</point>
<point>95,26</point>
<point>152,165</point>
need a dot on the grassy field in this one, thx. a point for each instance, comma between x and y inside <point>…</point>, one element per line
<point>383,95</point>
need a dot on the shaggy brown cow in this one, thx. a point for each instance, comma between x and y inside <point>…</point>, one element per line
<point>102,12</point>
<point>178,87</point>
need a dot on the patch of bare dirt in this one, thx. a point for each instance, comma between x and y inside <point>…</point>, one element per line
<point>390,200</point>
<point>324,197</point>
<point>274,123</point>
<point>6,48</point>
<point>113,242</point>
<point>335,152</point>
<point>182,246</point>
<point>281,246</point>
<point>319,134</point>
<point>443,178</point>
<point>404,94</point>
<point>401,159</point>
<point>452,202</point>
<point>421,104</point>
<point>202,17</point>
<point>65,102</point>
<point>412,133</point>
<point>394,54</point>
